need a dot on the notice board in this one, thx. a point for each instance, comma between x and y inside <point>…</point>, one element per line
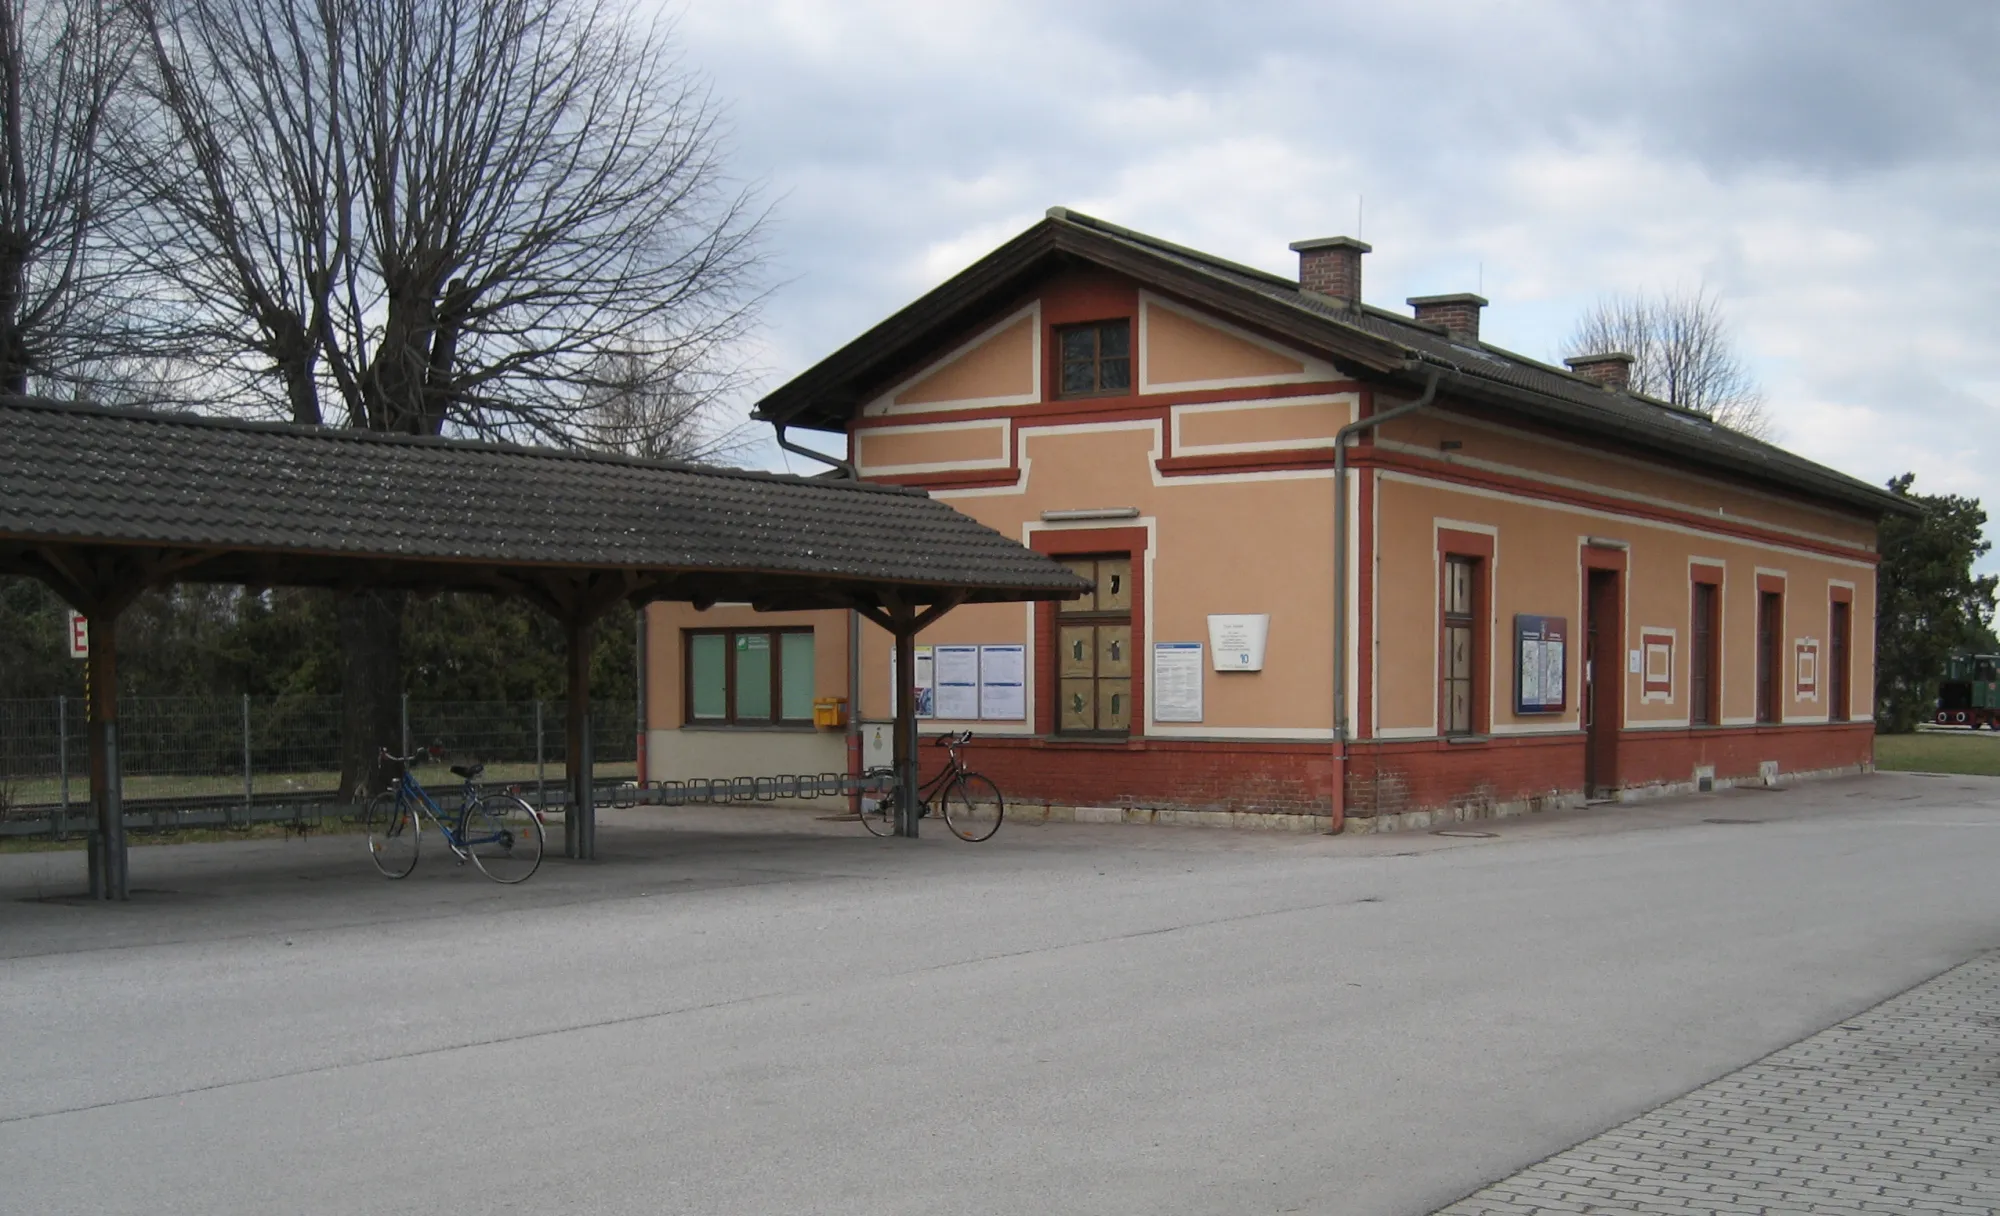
<point>1541,664</point>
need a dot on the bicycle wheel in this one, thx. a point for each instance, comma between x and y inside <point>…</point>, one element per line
<point>393,831</point>
<point>880,817</point>
<point>973,807</point>
<point>504,836</point>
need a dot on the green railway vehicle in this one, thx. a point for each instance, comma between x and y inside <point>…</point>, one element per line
<point>1969,694</point>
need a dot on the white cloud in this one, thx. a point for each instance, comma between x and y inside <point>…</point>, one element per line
<point>1828,168</point>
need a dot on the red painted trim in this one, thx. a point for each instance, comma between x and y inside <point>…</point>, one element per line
<point>1059,410</point>
<point>954,480</point>
<point>1465,544</point>
<point>1705,572</point>
<point>1154,743</point>
<point>1598,557</point>
<point>1245,462</point>
<point>1570,738</point>
<point>1453,542</point>
<point>1441,471</point>
<point>1840,595</point>
<point>1774,584</point>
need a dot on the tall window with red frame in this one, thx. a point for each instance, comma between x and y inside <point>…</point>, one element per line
<point>1841,628</point>
<point>1460,665</point>
<point>1094,651</point>
<point>1704,655</point>
<point>1770,665</point>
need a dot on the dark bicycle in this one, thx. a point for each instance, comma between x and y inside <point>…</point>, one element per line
<point>499,833</point>
<point>971,804</point>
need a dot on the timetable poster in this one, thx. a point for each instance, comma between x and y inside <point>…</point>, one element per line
<point>1541,646</point>
<point>957,673</point>
<point>1003,683</point>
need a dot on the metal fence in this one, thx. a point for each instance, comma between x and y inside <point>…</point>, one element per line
<point>209,751</point>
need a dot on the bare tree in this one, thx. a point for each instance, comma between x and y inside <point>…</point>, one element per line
<point>645,404</point>
<point>1681,352</point>
<point>434,216</point>
<point>62,64</point>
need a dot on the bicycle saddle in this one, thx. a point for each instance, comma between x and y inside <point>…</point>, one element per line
<point>468,771</point>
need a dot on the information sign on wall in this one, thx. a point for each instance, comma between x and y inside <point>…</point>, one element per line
<point>1238,641</point>
<point>926,682</point>
<point>1541,647</point>
<point>1003,689</point>
<point>1177,681</point>
<point>957,682</point>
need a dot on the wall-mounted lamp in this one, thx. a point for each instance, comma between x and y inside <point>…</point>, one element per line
<point>1063,517</point>
<point>1450,445</point>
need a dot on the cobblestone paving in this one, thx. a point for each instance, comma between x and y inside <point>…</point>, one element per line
<point>1897,1110</point>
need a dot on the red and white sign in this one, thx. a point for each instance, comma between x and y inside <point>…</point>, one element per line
<point>79,635</point>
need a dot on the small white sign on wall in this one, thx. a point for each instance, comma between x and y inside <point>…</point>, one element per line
<point>78,630</point>
<point>1176,681</point>
<point>1237,642</point>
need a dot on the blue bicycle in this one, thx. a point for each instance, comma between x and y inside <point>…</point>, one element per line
<point>499,833</point>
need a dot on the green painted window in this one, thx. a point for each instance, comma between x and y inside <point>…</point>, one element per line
<point>795,676</point>
<point>753,677</point>
<point>749,677</point>
<point>708,677</point>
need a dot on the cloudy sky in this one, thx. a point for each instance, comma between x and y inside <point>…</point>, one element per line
<point>1829,169</point>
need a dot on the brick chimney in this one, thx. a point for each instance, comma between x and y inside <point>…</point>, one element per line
<point>1331,266</point>
<point>1458,313</point>
<point>1612,370</point>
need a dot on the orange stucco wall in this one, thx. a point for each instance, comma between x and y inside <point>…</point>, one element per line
<point>1182,350</point>
<point>937,447</point>
<point>1001,366</point>
<point>1537,569</point>
<point>666,624</point>
<point>1241,522</point>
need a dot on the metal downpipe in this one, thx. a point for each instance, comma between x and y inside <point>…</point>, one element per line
<point>1340,514</point>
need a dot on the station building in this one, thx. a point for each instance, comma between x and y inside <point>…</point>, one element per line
<point>1351,563</point>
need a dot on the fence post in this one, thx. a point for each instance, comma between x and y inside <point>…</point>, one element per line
<point>62,763</point>
<point>541,768</point>
<point>247,788</point>
<point>406,724</point>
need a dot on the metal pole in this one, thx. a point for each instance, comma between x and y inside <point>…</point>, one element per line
<point>1340,731</point>
<point>541,763</point>
<point>406,724</point>
<point>62,763</point>
<point>247,788</point>
<point>639,649</point>
<point>580,823</point>
<point>108,876</point>
<point>906,726</point>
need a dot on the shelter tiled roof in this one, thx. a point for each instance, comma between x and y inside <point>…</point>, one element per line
<point>79,474</point>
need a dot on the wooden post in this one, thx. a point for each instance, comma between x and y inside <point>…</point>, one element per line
<point>108,874</point>
<point>580,821</point>
<point>906,724</point>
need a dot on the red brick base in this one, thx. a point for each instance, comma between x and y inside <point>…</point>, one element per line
<point>1390,776</point>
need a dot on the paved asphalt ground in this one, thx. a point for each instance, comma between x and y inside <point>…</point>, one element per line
<point>758,1012</point>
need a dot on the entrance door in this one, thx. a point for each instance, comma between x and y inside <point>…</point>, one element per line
<point>1603,683</point>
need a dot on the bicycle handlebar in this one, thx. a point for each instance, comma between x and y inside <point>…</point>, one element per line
<point>433,751</point>
<point>957,738</point>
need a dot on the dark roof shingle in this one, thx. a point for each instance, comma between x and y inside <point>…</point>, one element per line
<point>1368,337</point>
<point>84,474</point>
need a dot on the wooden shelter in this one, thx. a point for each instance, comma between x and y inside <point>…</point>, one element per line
<point>102,504</point>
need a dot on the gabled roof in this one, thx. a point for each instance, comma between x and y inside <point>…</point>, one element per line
<point>1365,341</point>
<point>277,503</point>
